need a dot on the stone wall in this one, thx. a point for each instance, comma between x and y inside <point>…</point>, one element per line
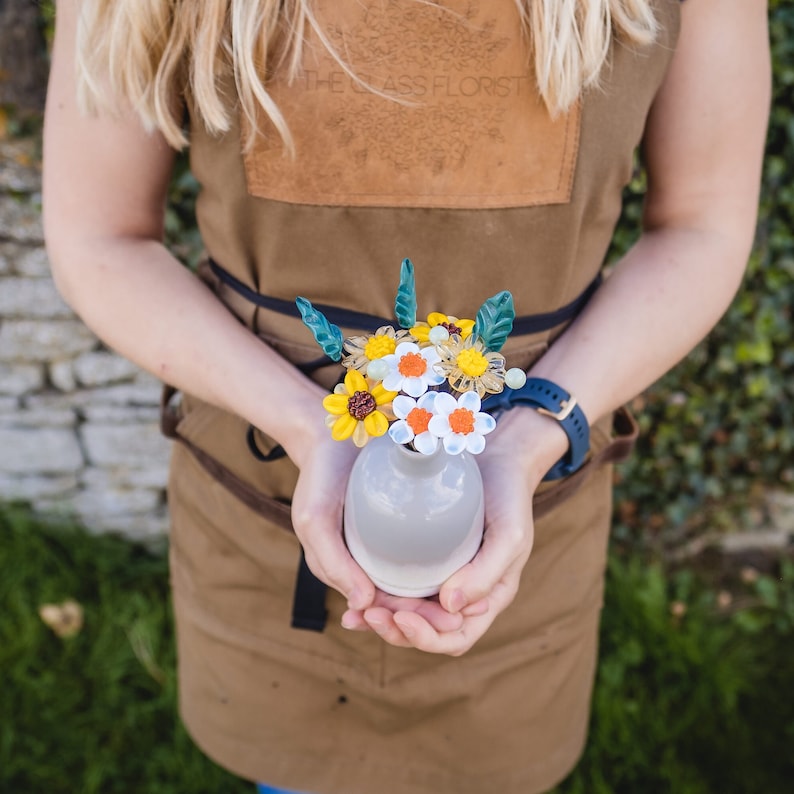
<point>78,424</point>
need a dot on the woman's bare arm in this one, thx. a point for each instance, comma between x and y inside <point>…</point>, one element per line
<point>105,183</point>
<point>704,145</point>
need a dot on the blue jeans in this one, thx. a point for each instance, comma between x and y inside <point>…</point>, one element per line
<point>263,789</point>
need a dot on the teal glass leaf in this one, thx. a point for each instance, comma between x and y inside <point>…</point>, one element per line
<point>494,320</point>
<point>405,303</point>
<point>327,336</point>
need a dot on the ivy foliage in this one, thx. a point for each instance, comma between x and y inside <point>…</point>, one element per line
<point>687,695</point>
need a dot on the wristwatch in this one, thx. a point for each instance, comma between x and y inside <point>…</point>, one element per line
<point>551,400</point>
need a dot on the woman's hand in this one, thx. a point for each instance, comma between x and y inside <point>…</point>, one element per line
<point>524,446</point>
<point>317,507</point>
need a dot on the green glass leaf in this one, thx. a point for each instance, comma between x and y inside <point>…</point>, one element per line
<point>405,303</point>
<point>327,336</point>
<point>494,320</point>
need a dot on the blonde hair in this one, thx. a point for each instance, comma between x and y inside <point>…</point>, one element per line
<point>150,52</point>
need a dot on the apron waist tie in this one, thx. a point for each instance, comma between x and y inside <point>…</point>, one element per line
<point>361,321</point>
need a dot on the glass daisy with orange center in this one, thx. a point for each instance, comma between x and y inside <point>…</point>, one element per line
<point>459,423</point>
<point>413,422</point>
<point>411,369</point>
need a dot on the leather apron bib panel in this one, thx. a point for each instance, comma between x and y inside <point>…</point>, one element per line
<point>341,712</point>
<point>460,85</point>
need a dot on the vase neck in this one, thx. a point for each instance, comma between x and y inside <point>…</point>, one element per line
<point>411,460</point>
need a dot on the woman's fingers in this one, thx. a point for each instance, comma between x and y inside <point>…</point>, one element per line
<point>330,561</point>
<point>416,624</point>
<point>509,533</point>
<point>317,517</point>
<point>318,528</point>
<point>503,548</point>
<point>427,608</point>
<point>381,621</point>
<point>422,636</point>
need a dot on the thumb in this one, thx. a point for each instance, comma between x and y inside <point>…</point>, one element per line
<point>503,550</point>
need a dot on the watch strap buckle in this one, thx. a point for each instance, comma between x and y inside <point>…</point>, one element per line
<point>566,408</point>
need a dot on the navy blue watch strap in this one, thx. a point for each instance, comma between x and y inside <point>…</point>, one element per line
<point>550,400</point>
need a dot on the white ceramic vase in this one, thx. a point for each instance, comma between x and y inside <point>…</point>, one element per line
<point>412,520</point>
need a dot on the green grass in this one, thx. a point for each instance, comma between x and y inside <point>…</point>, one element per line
<point>94,713</point>
<point>688,703</point>
<point>695,703</point>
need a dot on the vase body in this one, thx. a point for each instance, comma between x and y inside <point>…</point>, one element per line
<point>412,520</point>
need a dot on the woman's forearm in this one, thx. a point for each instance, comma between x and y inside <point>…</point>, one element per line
<point>703,148</point>
<point>143,303</point>
<point>662,298</point>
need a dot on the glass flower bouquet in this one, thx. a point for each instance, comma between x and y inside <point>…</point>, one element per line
<point>414,505</point>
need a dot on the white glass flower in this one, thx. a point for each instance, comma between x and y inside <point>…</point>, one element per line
<point>411,369</point>
<point>413,419</point>
<point>459,423</point>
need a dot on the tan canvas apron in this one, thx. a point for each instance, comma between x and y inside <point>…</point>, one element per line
<point>469,177</point>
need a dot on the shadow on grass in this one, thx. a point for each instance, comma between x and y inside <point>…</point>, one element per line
<point>694,690</point>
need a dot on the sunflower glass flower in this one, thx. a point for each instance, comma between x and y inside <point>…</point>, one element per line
<point>453,325</point>
<point>355,409</point>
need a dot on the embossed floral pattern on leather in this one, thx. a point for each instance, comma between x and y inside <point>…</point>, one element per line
<point>437,108</point>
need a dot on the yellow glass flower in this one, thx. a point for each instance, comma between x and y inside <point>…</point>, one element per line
<point>455,326</point>
<point>353,409</point>
<point>361,350</point>
<point>469,366</point>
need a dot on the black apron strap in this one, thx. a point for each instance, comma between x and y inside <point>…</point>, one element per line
<point>524,324</point>
<point>361,321</point>
<point>308,605</point>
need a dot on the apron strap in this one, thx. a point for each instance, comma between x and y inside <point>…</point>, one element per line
<point>346,318</point>
<point>308,604</point>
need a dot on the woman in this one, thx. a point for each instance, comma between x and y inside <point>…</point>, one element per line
<point>490,143</point>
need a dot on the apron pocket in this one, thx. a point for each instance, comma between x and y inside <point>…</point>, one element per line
<point>244,460</point>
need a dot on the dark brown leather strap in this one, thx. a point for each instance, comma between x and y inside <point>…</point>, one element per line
<point>271,509</point>
<point>169,418</point>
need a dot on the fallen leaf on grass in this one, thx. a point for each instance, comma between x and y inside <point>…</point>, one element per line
<point>65,619</point>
